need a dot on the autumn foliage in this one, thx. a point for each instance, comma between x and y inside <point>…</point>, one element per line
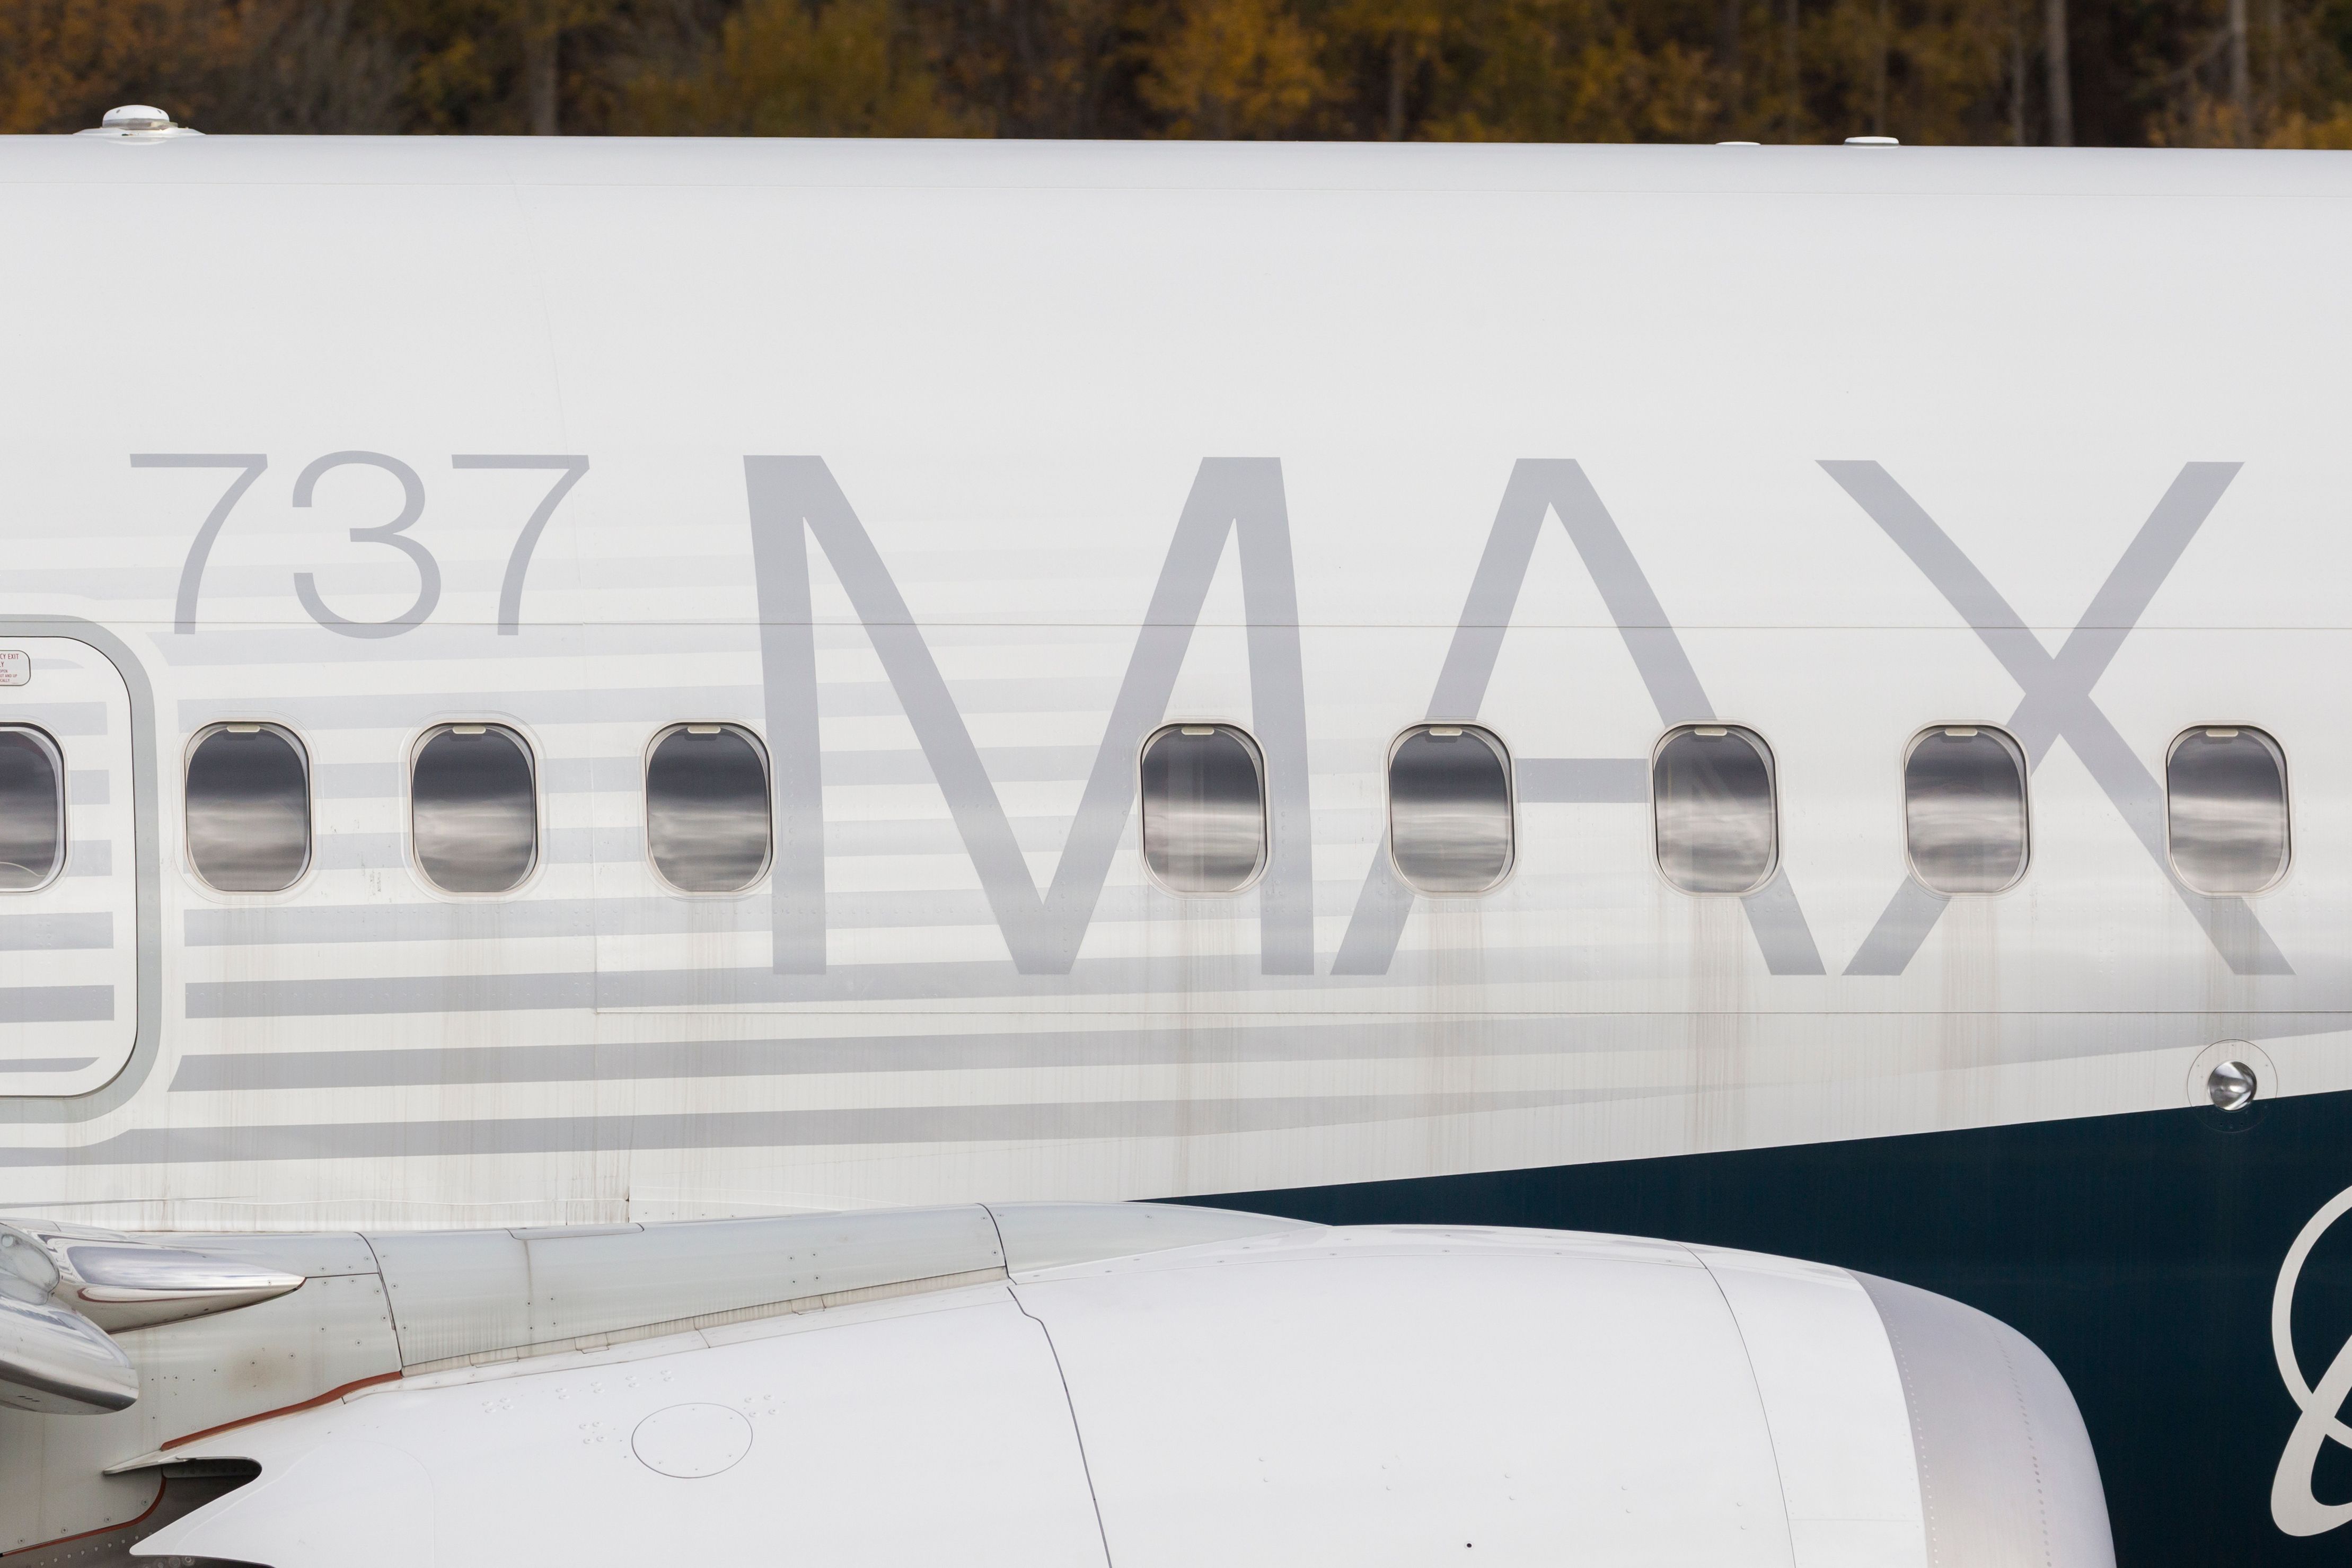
<point>2208,72</point>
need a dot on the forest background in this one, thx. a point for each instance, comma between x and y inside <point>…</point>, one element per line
<point>2109,72</point>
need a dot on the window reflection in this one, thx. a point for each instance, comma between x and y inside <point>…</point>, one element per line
<point>474,809</point>
<point>707,808</point>
<point>1712,789</point>
<point>1964,818</point>
<point>2225,808</point>
<point>32,809</point>
<point>1450,810</point>
<point>249,796</point>
<point>1203,809</point>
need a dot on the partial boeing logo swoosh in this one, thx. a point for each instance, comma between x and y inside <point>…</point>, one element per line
<point>2292,1506</point>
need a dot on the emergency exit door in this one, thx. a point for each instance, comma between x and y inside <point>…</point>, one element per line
<point>68,868</point>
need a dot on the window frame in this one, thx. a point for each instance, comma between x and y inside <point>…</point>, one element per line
<point>1510,803</point>
<point>56,754</point>
<point>530,753</point>
<point>1265,806</point>
<point>2286,809</point>
<point>293,737</point>
<point>645,805</point>
<point>1772,795</point>
<point>2025,803</point>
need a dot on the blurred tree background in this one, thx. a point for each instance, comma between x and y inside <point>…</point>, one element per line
<point>2113,72</point>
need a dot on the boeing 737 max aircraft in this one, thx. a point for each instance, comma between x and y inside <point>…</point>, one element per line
<point>602,741</point>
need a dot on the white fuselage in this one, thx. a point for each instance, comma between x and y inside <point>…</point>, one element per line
<point>952,471</point>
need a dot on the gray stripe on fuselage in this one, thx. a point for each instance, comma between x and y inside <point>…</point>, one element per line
<point>408,710</point>
<point>389,994</point>
<point>556,775</point>
<point>937,835</point>
<point>1241,1042</point>
<point>443,640</point>
<point>1231,983</point>
<point>627,844</point>
<point>389,851</point>
<point>1110,1121</point>
<point>55,1003</point>
<point>1582,781</point>
<point>370,851</point>
<point>69,718</point>
<point>298,925</point>
<point>1238,1041</point>
<point>446,641</point>
<point>581,775</point>
<point>707,986</point>
<point>295,924</point>
<point>46,933</point>
<point>1007,764</point>
<point>658,704</point>
<point>1088,694</point>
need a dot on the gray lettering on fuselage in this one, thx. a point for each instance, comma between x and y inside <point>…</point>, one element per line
<point>393,533</point>
<point>1558,487</point>
<point>1902,927</point>
<point>192,569</point>
<point>791,497</point>
<point>568,470</point>
<point>2057,702</point>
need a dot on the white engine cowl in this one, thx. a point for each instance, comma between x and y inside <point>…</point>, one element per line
<point>1365,1396</point>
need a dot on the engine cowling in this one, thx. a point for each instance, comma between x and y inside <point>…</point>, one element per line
<point>1367,1395</point>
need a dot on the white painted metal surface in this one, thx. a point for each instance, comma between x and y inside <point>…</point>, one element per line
<point>443,1308</point>
<point>1376,1395</point>
<point>915,1435</point>
<point>688,1442</point>
<point>1834,1401</point>
<point>1278,1414</point>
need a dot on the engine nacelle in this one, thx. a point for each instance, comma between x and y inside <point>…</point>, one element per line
<point>1120,1388</point>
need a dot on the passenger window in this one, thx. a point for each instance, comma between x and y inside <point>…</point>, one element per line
<point>2225,810</point>
<point>474,809</point>
<point>1450,810</point>
<point>707,807</point>
<point>32,809</point>
<point>1203,809</point>
<point>1711,789</point>
<point>249,808</point>
<point>1964,820</point>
